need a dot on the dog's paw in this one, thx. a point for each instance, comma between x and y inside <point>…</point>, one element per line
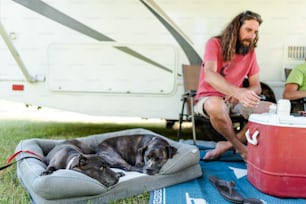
<point>45,173</point>
<point>48,171</point>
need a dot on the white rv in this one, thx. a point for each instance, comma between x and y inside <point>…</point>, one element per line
<point>124,57</point>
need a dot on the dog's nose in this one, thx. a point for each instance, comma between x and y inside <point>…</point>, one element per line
<point>120,174</point>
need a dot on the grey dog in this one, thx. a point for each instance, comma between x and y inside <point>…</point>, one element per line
<point>78,156</point>
<point>141,153</point>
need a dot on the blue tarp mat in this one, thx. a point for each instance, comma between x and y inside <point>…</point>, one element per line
<point>229,167</point>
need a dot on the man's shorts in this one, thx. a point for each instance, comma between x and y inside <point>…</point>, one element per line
<point>233,109</point>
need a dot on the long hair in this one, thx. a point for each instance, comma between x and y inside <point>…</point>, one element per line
<point>230,34</point>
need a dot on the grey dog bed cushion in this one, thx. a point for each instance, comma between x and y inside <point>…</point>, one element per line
<point>67,186</point>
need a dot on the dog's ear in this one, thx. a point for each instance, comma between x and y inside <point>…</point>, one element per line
<point>171,151</point>
<point>141,151</point>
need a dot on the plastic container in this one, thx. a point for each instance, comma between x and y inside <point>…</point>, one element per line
<point>283,107</point>
<point>276,154</point>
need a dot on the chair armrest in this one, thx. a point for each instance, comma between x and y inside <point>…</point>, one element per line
<point>301,100</point>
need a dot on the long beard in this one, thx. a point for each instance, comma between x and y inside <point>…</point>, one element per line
<point>242,49</point>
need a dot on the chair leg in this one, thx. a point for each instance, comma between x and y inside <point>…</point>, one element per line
<point>179,132</point>
<point>181,117</point>
<point>193,122</point>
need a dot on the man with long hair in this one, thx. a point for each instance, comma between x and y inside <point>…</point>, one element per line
<point>230,58</point>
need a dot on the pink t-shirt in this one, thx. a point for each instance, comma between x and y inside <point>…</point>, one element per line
<point>235,72</point>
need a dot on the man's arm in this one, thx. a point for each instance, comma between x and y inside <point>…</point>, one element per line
<point>248,97</point>
<point>254,84</point>
<point>217,81</point>
<point>291,92</point>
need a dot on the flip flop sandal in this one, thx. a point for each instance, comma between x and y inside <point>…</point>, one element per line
<point>227,191</point>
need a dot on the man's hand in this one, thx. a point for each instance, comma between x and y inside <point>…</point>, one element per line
<point>248,98</point>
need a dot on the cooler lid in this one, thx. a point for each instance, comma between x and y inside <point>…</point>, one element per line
<point>274,119</point>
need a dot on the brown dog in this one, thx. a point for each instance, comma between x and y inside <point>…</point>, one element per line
<point>77,156</point>
<point>141,153</point>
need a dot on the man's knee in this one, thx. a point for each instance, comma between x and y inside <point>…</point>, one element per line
<point>215,105</point>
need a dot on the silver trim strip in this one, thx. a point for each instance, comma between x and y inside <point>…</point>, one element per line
<point>16,55</point>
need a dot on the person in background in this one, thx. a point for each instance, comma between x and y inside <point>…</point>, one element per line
<point>230,58</point>
<point>295,87</point>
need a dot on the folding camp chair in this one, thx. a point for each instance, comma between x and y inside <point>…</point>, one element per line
<point>191,80</point>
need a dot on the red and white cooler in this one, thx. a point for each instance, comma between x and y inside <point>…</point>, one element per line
<point>277,154</point>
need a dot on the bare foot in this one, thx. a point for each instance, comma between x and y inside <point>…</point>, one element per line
<point>221,147</point>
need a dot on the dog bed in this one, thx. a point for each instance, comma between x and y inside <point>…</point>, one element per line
<point>67,186</point>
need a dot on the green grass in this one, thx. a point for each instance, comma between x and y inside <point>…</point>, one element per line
<point>12,131</point>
